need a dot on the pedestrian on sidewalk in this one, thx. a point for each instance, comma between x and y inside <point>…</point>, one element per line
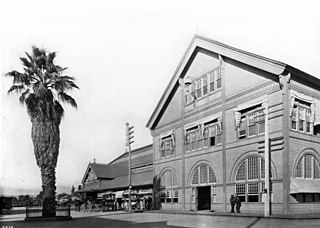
<point>238,203</point>
<point>232,202</point>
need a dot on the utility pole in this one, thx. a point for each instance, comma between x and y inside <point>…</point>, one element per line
<point>129,137</point>
<point>267,163</point>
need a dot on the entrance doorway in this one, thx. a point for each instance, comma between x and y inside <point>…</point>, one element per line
<point>204,199</point>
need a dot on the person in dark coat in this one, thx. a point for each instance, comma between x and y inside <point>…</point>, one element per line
<point>238,204</point>
<point>232,202</point>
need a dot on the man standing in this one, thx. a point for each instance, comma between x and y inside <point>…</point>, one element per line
<point>232,202</point>
<point>238,204</point>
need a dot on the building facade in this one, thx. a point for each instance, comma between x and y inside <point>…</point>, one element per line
<point>113,177</point>
<point>210,127</point>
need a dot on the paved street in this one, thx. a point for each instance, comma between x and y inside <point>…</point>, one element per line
<point>122,219</point>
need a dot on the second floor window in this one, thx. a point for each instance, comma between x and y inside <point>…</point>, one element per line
<point>252,122</point>
<point>167,144</point>
<point>203,136</point>
<point>301,118</point>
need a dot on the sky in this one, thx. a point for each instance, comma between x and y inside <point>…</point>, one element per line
<point>123,55</point>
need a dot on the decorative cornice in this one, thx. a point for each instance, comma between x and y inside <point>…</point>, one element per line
<point>244,96</point>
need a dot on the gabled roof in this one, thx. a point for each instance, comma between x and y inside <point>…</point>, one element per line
<point>113,170</point>
<point>200,43</point>
<point>138,179</point>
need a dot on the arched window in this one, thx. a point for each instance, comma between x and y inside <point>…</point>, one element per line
<point>203,174</point>
<point>308,167</point>
<point>168,184</point>
<point>250,179</point>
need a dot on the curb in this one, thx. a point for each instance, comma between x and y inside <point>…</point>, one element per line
<point>244,215</point>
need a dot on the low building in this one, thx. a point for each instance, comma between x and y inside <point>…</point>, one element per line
<point>211,123</point>
<point>113,177</point>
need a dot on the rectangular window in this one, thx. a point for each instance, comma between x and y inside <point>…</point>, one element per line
<point>193,140</point>
<point>166,147</point>
<point>294,118</point>
<point>211,81</point>
<point>169,196</point>
<point>199,88</point>
<point>206,137</point>
<point>241,191</point>
<point>243,128</point>
<point>162,196</point>
<point>205,84</point>
<point>253,168</point>
<point>175,196</point>
<point>203,174</point>
<point>301,117</point>
<point>199,139</point>
<point>193,91</point>
<point>252,122</point>
<point>218,73</point>
<point>308,166</point>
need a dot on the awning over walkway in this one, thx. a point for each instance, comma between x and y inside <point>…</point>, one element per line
<point>304,186</point>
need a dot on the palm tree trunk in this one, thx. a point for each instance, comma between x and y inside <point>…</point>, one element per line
<point>48,188</point>
<point>46,140</point>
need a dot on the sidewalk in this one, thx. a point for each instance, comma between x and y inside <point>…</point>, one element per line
<point>255,215</point>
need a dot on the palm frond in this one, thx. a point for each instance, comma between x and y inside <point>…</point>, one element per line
<point>19,78</point>
<point>67,99</point>
<point>26,62</point>
<point>16,88</point>
<point>23,96</point>
<point>51,57</point>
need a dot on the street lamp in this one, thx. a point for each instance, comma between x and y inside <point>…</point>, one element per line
<point>129,137</point>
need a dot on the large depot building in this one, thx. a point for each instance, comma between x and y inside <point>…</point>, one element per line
<point>209,129</point>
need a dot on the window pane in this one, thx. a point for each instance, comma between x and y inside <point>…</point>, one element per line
<point>253,169</point>
<point>316,169</point>
<point>203,174</point>
<point>261,128</point>
<point>253,198</point>
<point>174,180</point>
<point>162,196</point>
<point>253,188</point>
<point>218,73</point>
<point>175,196</point>
<point>241,174</point>
<point>169,196</point>
<point>195,178</point>
<point>252,130</point>
<point>212,177</point>
<point>308,166</point>
<point>301,125</point>
<point>199,88</point>
<point>163,181</point>
<point>211,78</point>
<point>240,189</point>
<point>204,84</point>
<point>168,178</point>
<point>242,128</point>
<point>299,169</point>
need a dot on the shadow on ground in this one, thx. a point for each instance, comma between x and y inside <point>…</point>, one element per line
<point>85,222</point>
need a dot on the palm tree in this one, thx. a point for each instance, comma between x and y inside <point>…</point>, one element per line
<point>43,86</point>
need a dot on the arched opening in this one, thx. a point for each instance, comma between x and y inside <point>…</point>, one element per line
<point>203,182</point>
<point>169,187</point>
<point>249,179</point>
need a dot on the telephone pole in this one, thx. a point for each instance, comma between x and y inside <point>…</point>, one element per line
<point>129,137</point>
